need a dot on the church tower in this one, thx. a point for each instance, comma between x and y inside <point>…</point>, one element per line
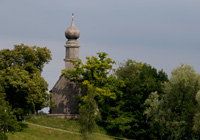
<point>64,92</point>
<point>72,46</point>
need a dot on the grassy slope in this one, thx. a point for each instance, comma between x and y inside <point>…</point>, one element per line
<point>31,132</point>
<point>39,133</point>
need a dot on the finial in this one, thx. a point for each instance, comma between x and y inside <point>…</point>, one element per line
<point>72,32</point>
<point>72,16</point>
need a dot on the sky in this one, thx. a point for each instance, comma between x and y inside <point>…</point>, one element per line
<point>162,33</point>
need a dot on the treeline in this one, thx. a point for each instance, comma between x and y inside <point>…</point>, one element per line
<point>136,101</point>
<point>22,88</point>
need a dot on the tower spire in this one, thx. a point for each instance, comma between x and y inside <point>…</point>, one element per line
<point>72,45</point>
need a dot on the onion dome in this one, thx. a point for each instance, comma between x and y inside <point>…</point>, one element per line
<point>72,32</point>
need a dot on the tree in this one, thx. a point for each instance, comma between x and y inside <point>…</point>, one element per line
<point>20,72</point>
<point>174,115</point>
<point>96,72</point>
<point>196,126</point>
<point>8,121</point>
<point>140,79</point>
<point>89,113</point>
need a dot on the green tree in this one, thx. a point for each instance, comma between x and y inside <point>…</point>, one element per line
<point>140,79</point>
<point>89,113</point>
<point>8,121</point>
<point>196,126</point>
<point>174,114</point>
<point>20,72</point>
<point>96,72</point>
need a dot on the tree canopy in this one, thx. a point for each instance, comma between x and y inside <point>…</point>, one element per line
<point>120,96</point>
<point>96,73</point>
<point>175,114</point>
<point>140,79</point>
<point>20,72</point>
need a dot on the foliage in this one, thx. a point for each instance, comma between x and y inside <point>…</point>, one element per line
<point>96,72</point>
<point>140,79</point>
<point>196,126</point>
<point>121,106</point>
<point>20,72</point>
<point>175,115</point>
<point>121,124</point>
<point>8,121</point>
<point>89,113</point>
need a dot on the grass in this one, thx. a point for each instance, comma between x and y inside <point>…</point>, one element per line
<point>33,132</point>
<point>55,122</point>
<point>40,133</point>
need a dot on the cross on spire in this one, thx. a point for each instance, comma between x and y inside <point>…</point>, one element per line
<point>72,16</point>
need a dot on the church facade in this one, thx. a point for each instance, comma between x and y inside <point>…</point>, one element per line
<point>64,92</point>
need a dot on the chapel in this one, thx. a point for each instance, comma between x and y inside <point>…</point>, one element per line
<point>64,92</point>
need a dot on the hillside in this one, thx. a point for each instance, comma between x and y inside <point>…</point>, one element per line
<point>45,128</point>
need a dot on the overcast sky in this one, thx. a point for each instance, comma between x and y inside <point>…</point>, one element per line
<point>162,33</point>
